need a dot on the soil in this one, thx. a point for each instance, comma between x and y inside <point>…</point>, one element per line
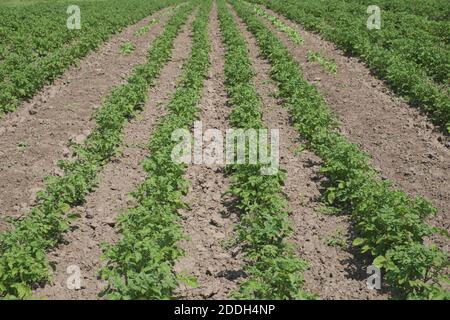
<point>35,137</point>
<point>83,245</point>
<point>209,224</point>
<point>334,271</point>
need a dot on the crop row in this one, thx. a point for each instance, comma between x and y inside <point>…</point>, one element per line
<point>36,46</point>
<point>396,24</point>
<point>402,52</point>
<point>274,271</point>
<point>389,224</point>
<point>139,265</point>
<point>437,10</point>
<point>328,64</point>
<point>23,260</point>
<point>143,30</point>
<point>291,32</point>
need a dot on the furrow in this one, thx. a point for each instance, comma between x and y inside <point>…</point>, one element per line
<point>208,223</point>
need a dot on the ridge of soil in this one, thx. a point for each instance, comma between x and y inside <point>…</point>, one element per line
<point>208,223</point>
<point>62,112</point>
<point>334,271</point>
<point>83,245</point>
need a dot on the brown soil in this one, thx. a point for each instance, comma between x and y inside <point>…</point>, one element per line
<point>60,112</point>
<point>405,147</point>
<point>208,224</point>
<point>83,245</point>
<point>334,273</point>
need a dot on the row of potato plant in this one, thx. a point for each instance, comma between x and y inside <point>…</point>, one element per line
<point>328,64</point>
<point>411,56</point>
<point>23,260</point>
<point>140,264</point>
<point>274,270</point>
<point>291,32</point>
<point>389,224</point>
<point>36,46</point>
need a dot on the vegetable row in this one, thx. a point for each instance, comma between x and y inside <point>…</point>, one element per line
<point>389,224</point>
<point>140,264</point>
<point>411,53</point>
<point>274,270</point>
<point>23,261</point>
<point>36,46</point>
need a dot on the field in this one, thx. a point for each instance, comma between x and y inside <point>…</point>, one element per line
<point>224,149</point>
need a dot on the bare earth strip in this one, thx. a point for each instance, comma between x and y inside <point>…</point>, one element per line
<point>216,269</point>
<point>83,245</point>
<point>405,147</point>
<point>35,137</point>
<point>334,272</point>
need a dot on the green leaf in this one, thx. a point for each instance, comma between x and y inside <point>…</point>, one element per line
<point>187,279</point>
<point>23,291</point>
<point>73,216</point>
<point>358,242</point>
<point>379,261</point>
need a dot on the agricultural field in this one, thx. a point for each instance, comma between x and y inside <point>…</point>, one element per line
<point>224,149</point>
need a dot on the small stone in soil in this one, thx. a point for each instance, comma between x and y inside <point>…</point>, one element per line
<point>215,222</point>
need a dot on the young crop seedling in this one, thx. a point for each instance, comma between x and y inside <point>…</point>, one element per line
<point>328,64</point>
<point>127,48</point>
<point>22,145</point>
<point>143,30</point>
<point>337,239</point>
